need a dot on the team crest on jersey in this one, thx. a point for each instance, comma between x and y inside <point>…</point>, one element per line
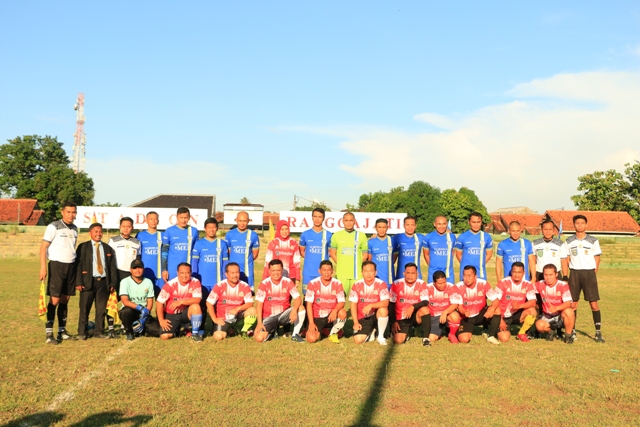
<point>480,293</point>
<point>558,293</point>
<point>524,291</point>
<point>375,292</point>
<point>416,293</point>
<point>586,252</point>
<point>240,294</point>
<point>333,292</point>
<point>446,295</point>
<point>540,253</point>
<point>574,251</point>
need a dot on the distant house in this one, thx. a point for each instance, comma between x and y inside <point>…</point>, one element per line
<point>192,201</point>
<point>495,226</point>
<point>598,222</point>
<point>21,212</point>
<point>528,219</point>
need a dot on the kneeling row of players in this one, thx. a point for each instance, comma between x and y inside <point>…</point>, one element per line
<point>438,308</point>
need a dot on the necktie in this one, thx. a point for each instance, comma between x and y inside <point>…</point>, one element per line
<point>99,260</point>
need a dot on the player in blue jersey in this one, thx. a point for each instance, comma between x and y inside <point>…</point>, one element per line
<point>177,244</point>
<point>244,246</point>
<point>515,249</point>
<point>438,248</point>
<point>407,247</point>
<point>151,251</point>
<point>314,248</point>
<point>381,252</point>
<point>474,247</point>
<point>208,262</point>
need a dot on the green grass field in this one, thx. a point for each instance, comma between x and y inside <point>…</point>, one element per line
<point>238,382</point>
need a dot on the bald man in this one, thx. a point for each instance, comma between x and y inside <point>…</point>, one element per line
<point>244,246</point>
<point>438,248</point>
<point>349,248</point>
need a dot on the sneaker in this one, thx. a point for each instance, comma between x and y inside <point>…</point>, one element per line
<point>382,341</point>
<point>51,340</point>
<point>63,335</point>
<point>599,338</point>
<point>574,336</point>
<point>568,339</point>
<point>334,338</point>
<point>551,335</point>
<point>130,337</point>
<point>522,337</point>
<point>110,335</point>
<point>197,338</point>
<point>493,340</point>
<point>426,342</point>
<point>296,338</point>
<point>453,339</point>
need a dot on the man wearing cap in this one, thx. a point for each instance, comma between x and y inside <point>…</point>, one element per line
<point>136,294</point>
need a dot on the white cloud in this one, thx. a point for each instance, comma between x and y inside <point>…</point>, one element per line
<point>528,151</point>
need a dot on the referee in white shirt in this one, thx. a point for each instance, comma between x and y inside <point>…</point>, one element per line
<point>59,246</point>
<point>127,249</point>
<point>548,250</point>
<point>582,259</point>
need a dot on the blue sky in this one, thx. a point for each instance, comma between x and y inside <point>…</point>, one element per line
<point>328,100</point>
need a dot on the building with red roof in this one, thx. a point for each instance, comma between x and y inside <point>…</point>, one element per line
<point>21,212</point>
<point>598,222</point>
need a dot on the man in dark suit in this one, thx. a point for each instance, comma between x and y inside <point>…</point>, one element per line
<point>96,276</point>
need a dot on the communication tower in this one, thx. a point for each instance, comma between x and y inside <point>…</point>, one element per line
<point>79,137</point>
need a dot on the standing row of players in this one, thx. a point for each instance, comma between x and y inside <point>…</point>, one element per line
<point>163,252</point>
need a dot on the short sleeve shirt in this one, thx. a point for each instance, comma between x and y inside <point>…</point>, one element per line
<point>553,295</point>
<point>439,300</point>
<point>517,251</point>
<point>138,293</point>
<point>582,252</point>
<point>404,295</point>
<point>409,249</point>
<point>440,247</point>
<point>474,298</point>
<point>276,298</point>
<point>173,290</point>
<point>63,238</point>
<point>363,294</point>
<point>550,252</point>
<point>473,247</point>
<point>225,297</point>
<point>381,251</point>
<point>509,292</point>
<point>324,297</point>
<point>126,250</point>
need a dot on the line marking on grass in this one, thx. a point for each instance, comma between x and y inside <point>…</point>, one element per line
<point>70,394</point>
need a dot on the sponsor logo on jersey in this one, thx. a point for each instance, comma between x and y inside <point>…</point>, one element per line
<point>210,258</point>
<point>473,251</point>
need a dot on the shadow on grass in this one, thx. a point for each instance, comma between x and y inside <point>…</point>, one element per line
<point>111,418</point>
<point>372,401</point>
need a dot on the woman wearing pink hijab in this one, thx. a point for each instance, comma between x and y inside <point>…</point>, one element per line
<point>286,250</point>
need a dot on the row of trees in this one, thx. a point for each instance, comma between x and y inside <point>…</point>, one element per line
<point>35,167</point>
<point>611,191</point>
<point>425,202</point>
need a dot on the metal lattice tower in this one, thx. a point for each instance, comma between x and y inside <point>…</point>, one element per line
<point>79,137</point>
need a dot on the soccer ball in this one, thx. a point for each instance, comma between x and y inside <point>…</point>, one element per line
<point>91,326</point>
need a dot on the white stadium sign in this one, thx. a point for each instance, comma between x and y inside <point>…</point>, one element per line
<point>110,217</point>
<point>300,221</point>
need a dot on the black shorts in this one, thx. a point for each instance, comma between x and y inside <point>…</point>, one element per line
<point>323,322</point>
<point>176,321</point>
<point>468,323</point>
<point>550,319</point>
<point>586,281</point>
<point>62,279</point>
<point>367,323</point>
<point>514,318</point>
<point>406,324</point>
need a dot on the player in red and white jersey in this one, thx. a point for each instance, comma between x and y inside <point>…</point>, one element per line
<point>517,303</point>
<point>179,302</point>
<point>274,308</point>
<point>556,305</point>
<point>474,309</point>
<point>287,250</point>
<point>409,306</point>
<point>444,298</point>
<point>230,301</point>
<point>371,298</point>
<point>325,301</point>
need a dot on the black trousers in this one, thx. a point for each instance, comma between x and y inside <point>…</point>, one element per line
<point>100,294</point>
<point>129,315</point>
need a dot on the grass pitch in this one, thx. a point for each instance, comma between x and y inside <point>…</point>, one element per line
<point>238,382</point>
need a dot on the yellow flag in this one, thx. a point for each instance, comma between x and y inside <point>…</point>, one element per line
<point>272,231</point>
<point>42,304</point>
<point>112,307</point>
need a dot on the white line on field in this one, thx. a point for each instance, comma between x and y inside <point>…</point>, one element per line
<point>70,394</point>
